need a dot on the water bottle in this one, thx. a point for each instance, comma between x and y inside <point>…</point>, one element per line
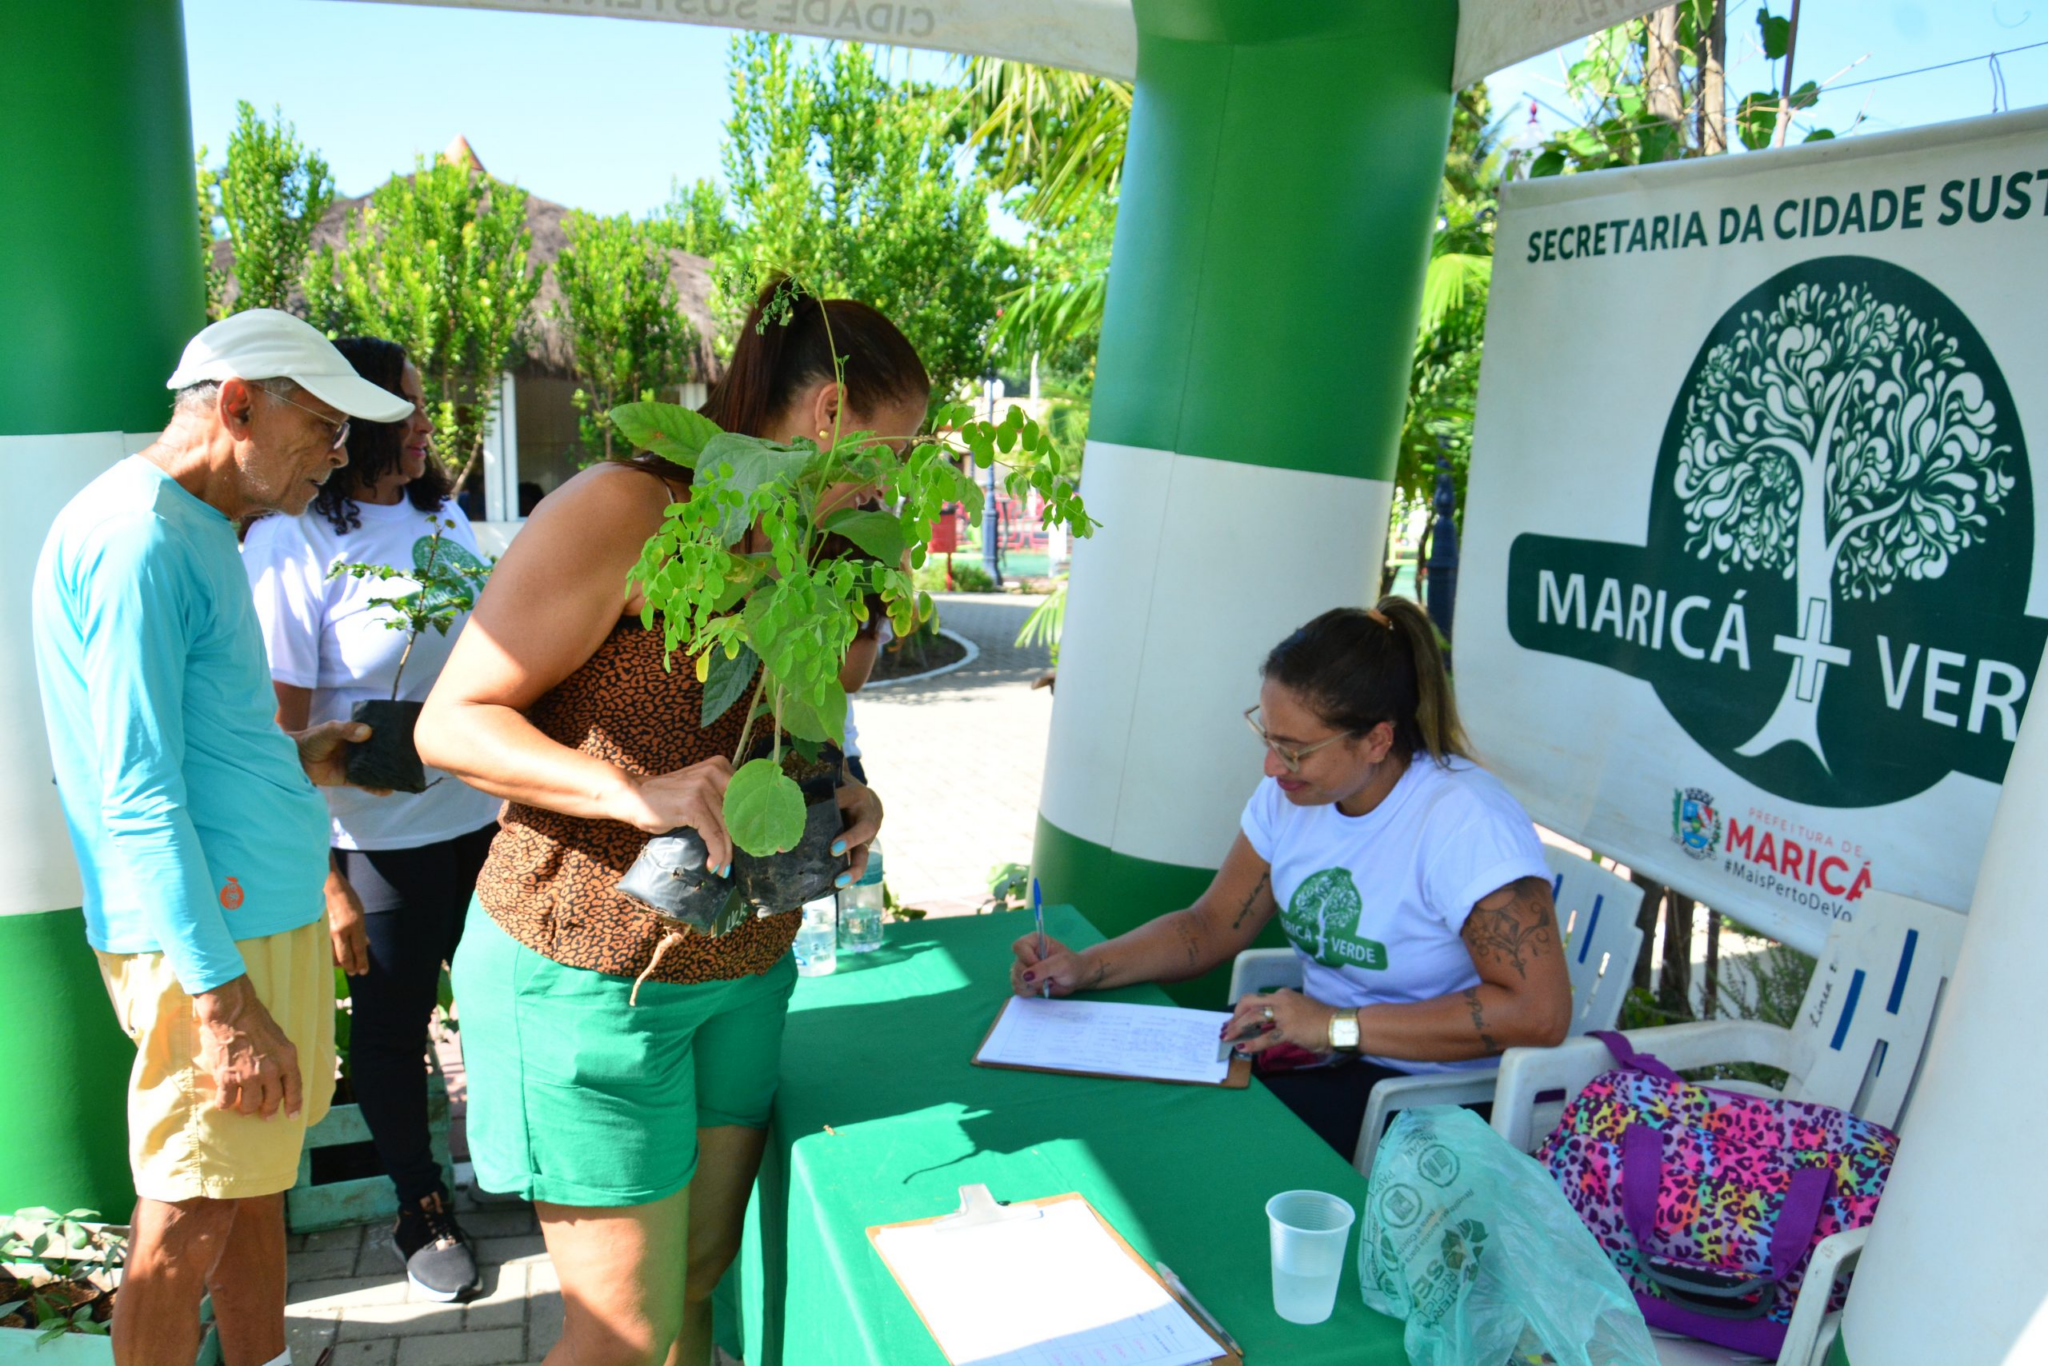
<point>860,908</point>
<point>817,942</point>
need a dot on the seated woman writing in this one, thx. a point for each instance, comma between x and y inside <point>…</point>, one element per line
<point>1410,883</point>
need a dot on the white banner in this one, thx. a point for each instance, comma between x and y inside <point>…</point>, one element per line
<point>1753,594</point>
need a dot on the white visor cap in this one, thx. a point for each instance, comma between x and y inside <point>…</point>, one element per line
<point>264,343</point>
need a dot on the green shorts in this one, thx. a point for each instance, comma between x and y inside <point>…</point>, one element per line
<point>577,1098</point>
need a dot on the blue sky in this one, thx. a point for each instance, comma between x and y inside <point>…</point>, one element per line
<point>603,113</point>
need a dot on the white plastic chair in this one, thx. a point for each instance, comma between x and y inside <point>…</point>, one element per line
<point>1597,911</point>
<point>1857,1045</point>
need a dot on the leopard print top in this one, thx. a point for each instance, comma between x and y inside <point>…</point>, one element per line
<point>551,881</point>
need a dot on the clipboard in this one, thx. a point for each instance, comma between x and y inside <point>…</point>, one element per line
<point>979,1207</point>
<point>1237,1079</point>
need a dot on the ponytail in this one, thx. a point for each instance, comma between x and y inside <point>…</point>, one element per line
<point>787,345</point>
<point>1357,668</point>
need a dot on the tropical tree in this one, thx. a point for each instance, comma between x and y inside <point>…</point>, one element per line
<point>695,220</point>
<point>1443,385</point>
<point>1844,442</point>
<point>1655,89</point>
<point>216,279</point>
<point>1053,142</point>
<point>619,311</point>
<point>272,192</point>
<point>853,182</point>
<point>437,263</point>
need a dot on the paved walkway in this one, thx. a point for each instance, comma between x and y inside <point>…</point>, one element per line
<point>957,759</point>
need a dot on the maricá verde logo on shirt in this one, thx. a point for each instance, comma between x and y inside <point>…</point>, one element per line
<point>1322,920</point>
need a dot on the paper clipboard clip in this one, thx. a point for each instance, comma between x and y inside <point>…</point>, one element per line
<point>979,1209</point>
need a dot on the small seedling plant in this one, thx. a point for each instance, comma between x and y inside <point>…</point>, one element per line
<point>71,1250</point>
<point>766,621</point>
<point>448,585</point>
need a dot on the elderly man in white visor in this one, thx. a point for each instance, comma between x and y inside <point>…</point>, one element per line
<point>201,842</point>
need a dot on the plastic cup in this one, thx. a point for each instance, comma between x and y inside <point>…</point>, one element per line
<point>1310,1231</point>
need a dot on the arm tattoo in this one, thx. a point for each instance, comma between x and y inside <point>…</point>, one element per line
<point>1244,912</point>
<point>1486,1040</point>
<point>1190,937</point>
<point>1516,932</point>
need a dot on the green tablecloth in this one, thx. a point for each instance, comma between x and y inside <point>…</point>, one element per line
<point>879,1053</point>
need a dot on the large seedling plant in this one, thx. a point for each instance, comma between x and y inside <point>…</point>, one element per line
<point>768,619</point>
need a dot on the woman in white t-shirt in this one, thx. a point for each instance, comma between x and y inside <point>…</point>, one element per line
<point>1410,883</point>
<point>403,866</point>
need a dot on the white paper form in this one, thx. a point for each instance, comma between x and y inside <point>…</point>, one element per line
<point>1157,1043</point>
<point>1053,1291</point>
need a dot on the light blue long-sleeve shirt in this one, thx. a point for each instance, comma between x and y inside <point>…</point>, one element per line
<point>194,823</point>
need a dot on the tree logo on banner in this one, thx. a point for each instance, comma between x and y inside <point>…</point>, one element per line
<point>1832,595</point>
<point>1846,442</point>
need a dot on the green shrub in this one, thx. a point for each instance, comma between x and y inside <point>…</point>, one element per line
<point>968,576</point>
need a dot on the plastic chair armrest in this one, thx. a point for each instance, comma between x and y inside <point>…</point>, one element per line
<point>1706,1043</point>
<point>1256,969</point>
<point>1409,1093</point>
<point>1526,1073</point>
<point>1833,1256</point>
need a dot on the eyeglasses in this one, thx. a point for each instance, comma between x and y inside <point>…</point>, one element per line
<point>1289,756</point>
<point>340,432</point>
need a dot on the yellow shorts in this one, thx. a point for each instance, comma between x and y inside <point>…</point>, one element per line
<point>181,1146</point>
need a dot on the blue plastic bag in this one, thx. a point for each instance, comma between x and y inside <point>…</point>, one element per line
<point>1474,1247</point>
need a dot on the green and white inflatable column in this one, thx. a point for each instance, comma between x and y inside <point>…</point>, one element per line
<point>101,289</point>
<point>1279,193</point>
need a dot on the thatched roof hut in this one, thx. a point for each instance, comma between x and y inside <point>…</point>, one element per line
<point>538,441</point>
<point>546,343</point>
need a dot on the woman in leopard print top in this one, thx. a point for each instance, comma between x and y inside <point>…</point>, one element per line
<point>635,1129</point>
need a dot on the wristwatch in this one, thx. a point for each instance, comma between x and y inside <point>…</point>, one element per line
<point>1344,1031</point>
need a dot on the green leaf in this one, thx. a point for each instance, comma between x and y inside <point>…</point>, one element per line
<point>1549,162</point>
<point>728,683</point>
<point>670,430</point>
<point>764,809</point>
<point>800,718</point>
<point>1820,135</point>
<point>755,463</point>
<point>1756,118</point>
<point>1775,31</point>
<point>878,533</point>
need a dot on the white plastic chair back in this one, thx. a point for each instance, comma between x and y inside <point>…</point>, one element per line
<point>1262,970</point>
<point>1871,1005</point>
<point>1596,915</point>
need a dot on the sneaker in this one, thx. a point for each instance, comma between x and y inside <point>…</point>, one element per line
<point>439,1258</point>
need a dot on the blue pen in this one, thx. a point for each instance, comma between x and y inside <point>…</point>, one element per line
<point>1038,914</point>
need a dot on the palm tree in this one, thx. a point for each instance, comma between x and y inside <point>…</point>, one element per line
<point>1060,135</point>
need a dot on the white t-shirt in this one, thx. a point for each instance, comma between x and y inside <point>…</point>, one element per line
<point>1374,904</point>
<point>882,639</point>
<point>323,634</point>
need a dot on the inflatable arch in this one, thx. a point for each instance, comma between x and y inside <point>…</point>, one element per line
<point>1279,190</point>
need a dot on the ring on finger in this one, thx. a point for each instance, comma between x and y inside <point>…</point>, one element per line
<point>1267,1012</point>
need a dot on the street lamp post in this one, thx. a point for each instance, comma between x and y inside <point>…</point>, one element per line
<point>992,517</point>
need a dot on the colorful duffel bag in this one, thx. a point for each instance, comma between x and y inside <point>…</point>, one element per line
<point>1710,1202</point>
